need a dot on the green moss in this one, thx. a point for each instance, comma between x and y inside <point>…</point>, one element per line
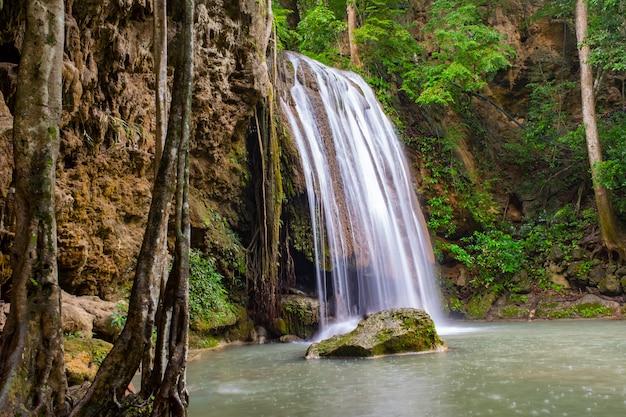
<point>591,310</point>
<point>206,342</point>
<point>97,348</point>
<point>587,310</point>
<point>514,312</point>
<point>479,305</point>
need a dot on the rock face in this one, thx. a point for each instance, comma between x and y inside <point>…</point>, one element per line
<point>105,166</point>
<point>388,332</point>
<point>299,316</point>
<point>89,315</point>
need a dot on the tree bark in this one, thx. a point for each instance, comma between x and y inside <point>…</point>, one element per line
<point>121,364</point>
<point>32,366</point>
<point>161,91</point>
<point>160,73</point>
<point>172,398</point>
<point>613,233</point>
<point>355,59</point>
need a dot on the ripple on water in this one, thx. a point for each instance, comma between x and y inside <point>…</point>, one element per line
<point>556,368</point>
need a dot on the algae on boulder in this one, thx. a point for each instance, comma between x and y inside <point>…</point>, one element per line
<point>299,316</point>
<point>387,332</point>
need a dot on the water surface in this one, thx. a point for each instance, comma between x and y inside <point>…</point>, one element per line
<point>558,368</point>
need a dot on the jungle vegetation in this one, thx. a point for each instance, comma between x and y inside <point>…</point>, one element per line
<point>442,61</point>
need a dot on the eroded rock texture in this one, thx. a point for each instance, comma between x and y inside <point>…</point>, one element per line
<point>105,168</point>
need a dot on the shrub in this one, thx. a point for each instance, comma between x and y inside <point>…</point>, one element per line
<point>209,306</point>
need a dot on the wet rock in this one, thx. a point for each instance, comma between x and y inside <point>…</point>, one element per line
<point>596,275</point>
<point>387,332</point>
<point>479,305</point>
<point>556,275</point>
<point>556,253</point>
<point>290,338</point>
<point>258,335</point>
<point>591,299</point>
<point>299,316</point>
<point>577,254</point>
<point>610,285</point>
<point>76,320</point>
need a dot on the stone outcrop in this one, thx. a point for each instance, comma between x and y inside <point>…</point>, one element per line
<point>84,316</point>
<point>89,315</point>
<point>105,166</point>
<point>83,357</point>
<point>299,316</point>
<point>387,332</point>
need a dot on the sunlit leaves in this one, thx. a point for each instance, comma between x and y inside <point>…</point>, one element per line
<point>462,53</point>
<point>607,34</point>
<point>385,43</point>
<point>319,31</point>
<point>286,38</point>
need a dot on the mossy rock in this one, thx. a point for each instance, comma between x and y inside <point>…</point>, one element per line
<point>479,305</point>
<point>610,285</point>
<point>299,316</point>
<point>83,357</point>
<point>387,332</point>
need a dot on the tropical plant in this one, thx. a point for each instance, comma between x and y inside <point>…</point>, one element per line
<point>208,298</point>
<point>319,33</point>
<point>492,258</point>
<point>461,53</point>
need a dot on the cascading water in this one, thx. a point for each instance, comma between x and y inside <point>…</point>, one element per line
<point>367,225</point>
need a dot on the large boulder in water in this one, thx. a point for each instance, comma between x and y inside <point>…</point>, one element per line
<point>388,332</point>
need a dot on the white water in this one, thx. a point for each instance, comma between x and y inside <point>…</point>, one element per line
<point>367,224</point>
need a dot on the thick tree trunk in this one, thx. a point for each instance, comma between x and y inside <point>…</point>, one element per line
<point>172,398</point>
<point>161,91</point>
<point>123,361</point>
<point>355,59</point>
<point>32,367</point>
<point>613,234</point>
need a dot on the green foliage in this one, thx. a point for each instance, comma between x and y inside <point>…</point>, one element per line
<point>456,194</point>
<point>119,313</point>
<point>562,230</point>
<point>612,171</point>
<point>547,123</point>
<point>441,216</point>
<point>287,38</point>
<point>208,299</point>
<point>386,45</point>
<point>492,258</point>
<point>319,33</point>
<point>607,34</point>
<point>463,53</point>
<point>224,244</point>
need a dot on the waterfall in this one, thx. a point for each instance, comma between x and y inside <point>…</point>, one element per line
<point>368,229</point>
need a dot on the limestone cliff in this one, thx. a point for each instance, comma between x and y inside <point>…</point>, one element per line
<point>106,163</point>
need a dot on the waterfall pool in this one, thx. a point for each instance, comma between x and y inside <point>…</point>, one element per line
<point>556,368</point>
